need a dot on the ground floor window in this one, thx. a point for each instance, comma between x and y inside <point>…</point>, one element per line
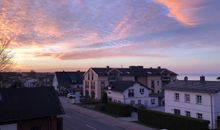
<point>152,101</point>
<point>199,116</point>
<point>132,102</point>
<point>187,113</point>
<point>176,111</point>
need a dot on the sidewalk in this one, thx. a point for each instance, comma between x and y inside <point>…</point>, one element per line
<point>117,122</point>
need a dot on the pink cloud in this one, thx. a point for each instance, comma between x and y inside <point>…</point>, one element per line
<point>184,11</point>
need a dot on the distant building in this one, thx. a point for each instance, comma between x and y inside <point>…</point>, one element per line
<point>64,79</point>
<point>31,83</point>
<point>96,79</point>
<point>30,109</point>
<point>130,92</point>
<point>9,79</point>
<point>197,99</point>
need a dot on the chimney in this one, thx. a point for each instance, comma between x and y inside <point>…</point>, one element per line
<point>159,67</point>
<point>107,67</point>
<point>186,78</point>
<point>202,78</point>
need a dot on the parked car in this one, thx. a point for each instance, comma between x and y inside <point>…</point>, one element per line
<point>70,95</point>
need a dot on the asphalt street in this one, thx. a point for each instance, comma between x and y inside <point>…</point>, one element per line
<point>77,118</point>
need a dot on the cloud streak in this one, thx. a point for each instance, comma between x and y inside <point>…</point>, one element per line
<point>87,29</point>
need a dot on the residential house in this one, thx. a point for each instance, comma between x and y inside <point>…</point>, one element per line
<point>68,80</point>
<point>96,79</point>
<point>30,109</point>
<point>131,92</point>
<point>197,99</point>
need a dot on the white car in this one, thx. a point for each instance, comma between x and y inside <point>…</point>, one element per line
<point>70,95</point>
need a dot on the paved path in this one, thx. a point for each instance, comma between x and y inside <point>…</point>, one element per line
<point>78,118</point>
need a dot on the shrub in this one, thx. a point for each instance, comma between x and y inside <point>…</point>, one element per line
<point>170,121</point>
<point>119,110</point>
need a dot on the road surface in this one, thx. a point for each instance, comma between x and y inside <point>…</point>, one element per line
<point>78,118</point>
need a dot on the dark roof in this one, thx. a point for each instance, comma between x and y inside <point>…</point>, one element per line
<point>121,86</point>
<point>28,103</point>
<point>135,71</point>
<point>159,95</point>
<point>194,86</point>
<point>69,78</point>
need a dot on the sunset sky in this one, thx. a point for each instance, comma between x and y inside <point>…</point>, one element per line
<point>54,35</point>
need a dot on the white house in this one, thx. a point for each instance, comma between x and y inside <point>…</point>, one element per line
<point>196,99</point>
<point>130,92</point>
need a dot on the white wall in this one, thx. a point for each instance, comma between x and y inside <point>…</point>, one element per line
<point>8,127</point>
<point>123,97</point>
<point>55,82</point>
<point>115,96</point>
<point>204,108</point>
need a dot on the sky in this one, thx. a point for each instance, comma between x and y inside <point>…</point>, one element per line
<point>55,35</point>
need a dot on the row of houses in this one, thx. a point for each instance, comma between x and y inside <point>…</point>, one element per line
<point>25,79</point>
<point>152,87</point>
<point>95,82</point>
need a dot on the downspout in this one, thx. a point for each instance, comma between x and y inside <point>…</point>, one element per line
<point>212,111</point>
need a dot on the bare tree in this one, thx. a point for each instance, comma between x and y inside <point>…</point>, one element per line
<point>5,53</point>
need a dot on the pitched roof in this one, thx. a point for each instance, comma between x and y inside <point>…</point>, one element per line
<point>68,78</point>
<point>28,103</point>
<point>135,71</point>
<point>194,86</point>
<point>121,86</point>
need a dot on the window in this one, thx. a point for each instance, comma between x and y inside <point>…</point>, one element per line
<point>139,101</point>
<point>187,113</point>
<point>158,83</point>
<point>132,102</point>
<point>92,76</point>
<point>176,111</point>
<point>152,84</point>
<point>199,115</point>
<point>142,91</point>
<point>187,98</point>
<point>93,85</point>
<point>88,76</point>
<point>198,99</point>
<point>130,92</point>
<point>86,84</point>
<point>152,101</point>
<point>177,96</point>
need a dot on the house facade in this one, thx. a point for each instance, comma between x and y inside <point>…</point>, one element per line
<point>130,92</point>
<point>97,79</point>
<point>27,109</point>
<point>196,99</point>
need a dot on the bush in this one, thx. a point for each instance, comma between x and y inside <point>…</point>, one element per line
<point>170,121</point>
<point>118,110</point>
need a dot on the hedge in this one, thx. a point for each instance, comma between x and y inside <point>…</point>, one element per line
<point>118,110</point>
<point>171,121</point>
